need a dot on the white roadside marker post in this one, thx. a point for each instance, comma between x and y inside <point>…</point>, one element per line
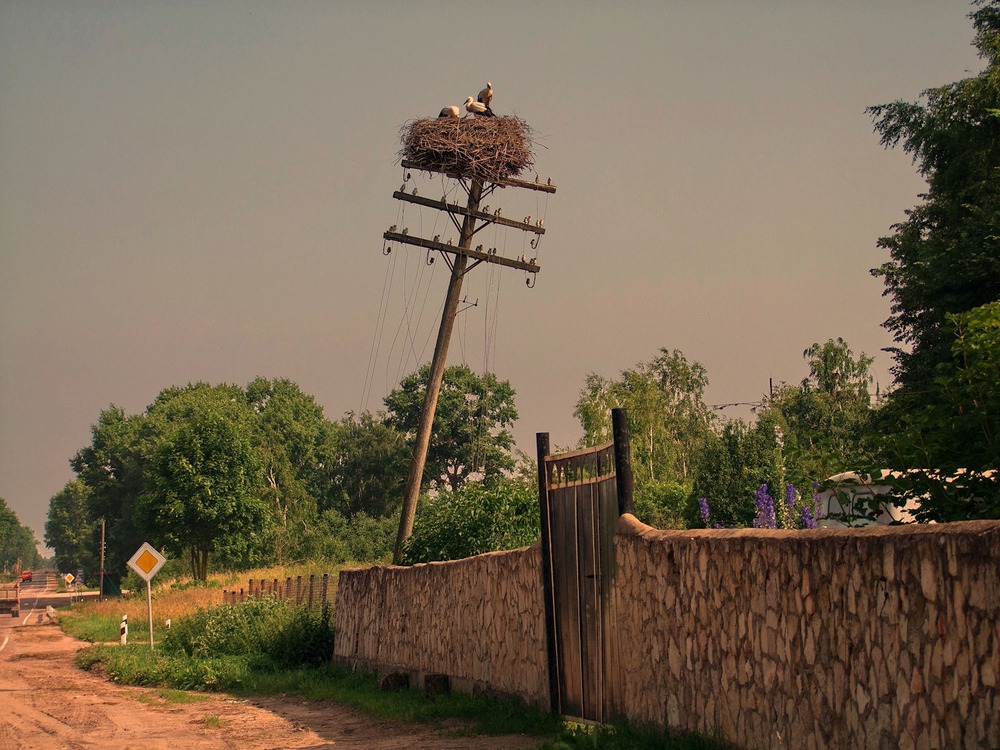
<point>124,629</point>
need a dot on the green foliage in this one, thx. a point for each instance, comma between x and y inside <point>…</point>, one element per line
<point>470,432</point>
<point>203,481</point>
<point>306,639</point>
<point>17,542</point>
<point>245,628</point>
<point>360,538</point>
<point>732,467</point>
<point>478,518</point>
<point>70,531</point>
<point>663,505</point>
<point>949,446</point>
<point>367,461</point>
<point>943,258</point>
<point>669,421</point>
<point>825,423</point>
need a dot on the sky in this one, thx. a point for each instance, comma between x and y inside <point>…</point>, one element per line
<point>197,191</point>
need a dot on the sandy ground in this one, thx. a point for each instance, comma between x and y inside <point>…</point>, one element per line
<point>46,702</point>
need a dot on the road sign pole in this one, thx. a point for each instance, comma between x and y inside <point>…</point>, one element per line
<point>149,610</point>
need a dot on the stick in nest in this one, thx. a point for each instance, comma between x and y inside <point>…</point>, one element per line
<point>487,148</point>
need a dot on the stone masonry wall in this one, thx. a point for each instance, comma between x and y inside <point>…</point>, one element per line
<point>884,637</point>
<point>479,620</point>
<point>881,637</point>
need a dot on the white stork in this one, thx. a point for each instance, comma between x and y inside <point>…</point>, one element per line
<point>449,111</point>
<point>486,95</point>
<point>478,108</point>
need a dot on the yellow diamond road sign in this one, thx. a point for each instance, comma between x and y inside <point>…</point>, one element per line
<point>68,578</point>
<point>146,561</point>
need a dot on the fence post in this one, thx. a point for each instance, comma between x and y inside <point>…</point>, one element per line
<point>326,583</point>
<point>312,582</point>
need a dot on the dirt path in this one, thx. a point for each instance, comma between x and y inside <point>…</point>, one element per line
<point>47,703</point>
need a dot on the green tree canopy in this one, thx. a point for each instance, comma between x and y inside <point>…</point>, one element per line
<point>17,542</point>
<point>289,430</point>
<point>204,478</point>
<point>951,445</point>
<point>480,517</point>
<point>945,258</point>
<point>367,460</point>
<point>470,434</point>
<point>733,464</point>
<point>113,470</point>
<point>70,529</point>
<point>824,423</point>
<point>669,421</point>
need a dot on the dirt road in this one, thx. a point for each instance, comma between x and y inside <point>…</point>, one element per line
<point>47,703</point>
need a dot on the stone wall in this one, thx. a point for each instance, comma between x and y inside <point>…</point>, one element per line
<point>870,638</point>
<point>478,620</point>
<point>884,637</point>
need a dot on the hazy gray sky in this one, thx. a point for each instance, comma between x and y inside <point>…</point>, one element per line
<point>197,191</point>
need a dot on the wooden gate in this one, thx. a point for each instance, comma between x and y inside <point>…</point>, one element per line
<point>581,495</point>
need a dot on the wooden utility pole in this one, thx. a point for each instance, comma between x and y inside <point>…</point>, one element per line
<point>460,265</point>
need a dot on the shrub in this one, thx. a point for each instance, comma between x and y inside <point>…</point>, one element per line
<point>478,518</point>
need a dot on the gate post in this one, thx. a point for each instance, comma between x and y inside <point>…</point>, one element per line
<point>542,446</point>
<point>623,460</point>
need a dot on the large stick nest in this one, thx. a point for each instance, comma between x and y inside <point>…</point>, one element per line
<point>486,148</point>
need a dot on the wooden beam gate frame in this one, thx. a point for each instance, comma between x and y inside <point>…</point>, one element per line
<point>458,258</point>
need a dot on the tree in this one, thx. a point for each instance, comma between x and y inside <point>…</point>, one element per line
<point>204,478</point>
<point>731,468</point>
<point>952,444</point>
<point>17,542</point>
<point>470,433</point>
<point>478,518</point>
<point>825,422</point>
<point>289,430</point>
<point>668,418</point>
<point>70,530</point>
<point>112,468</point>
<point>944,257</point>
<point>367,461</point>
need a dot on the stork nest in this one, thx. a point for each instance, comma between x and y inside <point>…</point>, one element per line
<point>486,148</point>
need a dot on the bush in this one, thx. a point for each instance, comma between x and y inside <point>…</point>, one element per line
<point>478,518</point>
<point>662,504</point>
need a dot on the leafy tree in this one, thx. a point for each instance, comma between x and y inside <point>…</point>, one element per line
<point>470,433</point>
<point>112,468</point>
<point>70,530</point>
<point>945,258</point>
<point>204,478</point>
<point>367,461</point>
<point>732,466</point>
<point>668,419</point>
<point>478,518</point>
<point>289,430</point>
<point>825,422</point>
<point>17,542</point>
<point>952,444</point>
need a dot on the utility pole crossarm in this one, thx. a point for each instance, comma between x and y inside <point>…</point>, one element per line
<point>454,208</point>
<point>544,187</point>
<point>407,239</point>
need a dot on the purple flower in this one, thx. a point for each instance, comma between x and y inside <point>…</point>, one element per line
<point>808,518</point>
<point>789,495</point>
<point>765,510</point>
<point>703,509</point>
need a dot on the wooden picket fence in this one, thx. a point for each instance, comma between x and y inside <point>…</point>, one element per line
<point>314,591</point>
